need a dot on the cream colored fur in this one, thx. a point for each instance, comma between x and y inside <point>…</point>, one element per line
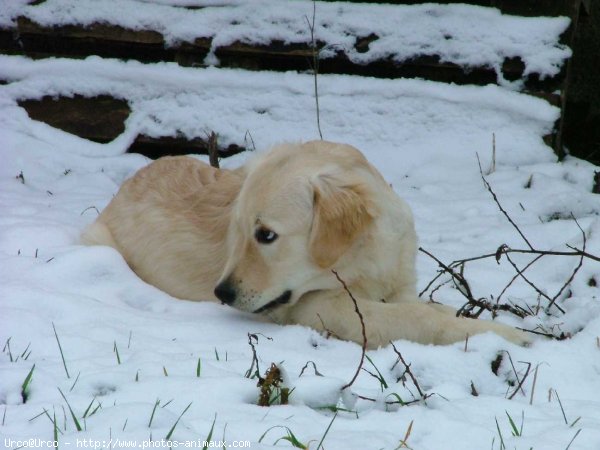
<point>187,228</point>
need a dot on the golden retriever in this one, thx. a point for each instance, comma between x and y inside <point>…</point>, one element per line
<point>265,238</point>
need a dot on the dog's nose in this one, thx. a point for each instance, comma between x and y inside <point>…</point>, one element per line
<point>225,292</point>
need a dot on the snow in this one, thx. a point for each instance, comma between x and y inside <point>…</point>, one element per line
<point>465,35</point>
<point>423,136</point>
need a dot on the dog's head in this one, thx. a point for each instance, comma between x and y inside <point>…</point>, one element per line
<point>301,209</point>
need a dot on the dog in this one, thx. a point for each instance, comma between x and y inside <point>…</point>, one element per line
<point>272,238</point>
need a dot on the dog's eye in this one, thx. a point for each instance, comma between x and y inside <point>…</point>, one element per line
<point>265,236</point>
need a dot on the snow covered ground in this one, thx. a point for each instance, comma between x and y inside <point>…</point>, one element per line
<point>127,345</point>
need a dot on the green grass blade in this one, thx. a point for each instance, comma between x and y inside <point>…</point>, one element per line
<point>153,411</point>
<point>576,434</point>
<point>95,409</point>
<point>326,431</point>
<point>380,377</point>
<point>75,421</point>
<point>25,385</point>
<point>176,422</point>
<point>75,382</point>
<point>87,410</point>
<point>502,446</point>
<point>513,426</point>
<point>198,368</point>
<point>393,394</point>
<point>62,355</point>
<point>210,433</point>
<point>25,355</point>
<point>267,431</point>
<point>55,433</point>
<point>291,438</point>
<point>116,350</point>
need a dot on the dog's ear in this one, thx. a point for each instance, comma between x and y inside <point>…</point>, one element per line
<point>341,212</point>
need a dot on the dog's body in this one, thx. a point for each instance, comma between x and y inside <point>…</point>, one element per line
<point>266,238</point>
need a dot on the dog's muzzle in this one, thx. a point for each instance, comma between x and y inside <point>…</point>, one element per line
<point>281,300</point>
<point>225,292</point>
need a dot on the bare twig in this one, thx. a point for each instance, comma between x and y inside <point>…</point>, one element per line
<point>507,250</point>
<point>88,208</point>
<point>463,286</point>
<point>531,263</point>
<point>560,337</point>
<point>247,136</point>
<point>568,282</point>
<point>465,289</point>
<point>408,371</point>
<point>328,332</point>
<point>253,339</point>
<point>530,283</point>
<point>213,152</point>
<point>489,188</point>
<point>317,373</point>
<point>433,280</point>
<point>315,63</point>
<point>522,380</point>
<point>364,332</point>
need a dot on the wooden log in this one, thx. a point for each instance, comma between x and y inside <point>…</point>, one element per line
<point>528,8</point>
<point>102,119</point>
<point>106,40</point>
<point>148,46</point>
<point>99,119</point>
<point>109,41</point>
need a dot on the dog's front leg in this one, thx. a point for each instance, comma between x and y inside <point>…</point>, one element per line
<point>384,322</point>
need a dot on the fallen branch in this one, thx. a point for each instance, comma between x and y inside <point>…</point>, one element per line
<point>504,250</point>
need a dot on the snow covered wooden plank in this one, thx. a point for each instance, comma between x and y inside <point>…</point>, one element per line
<point>268,107</point>
<point>389,40</point>
<point>101,118</point>
<point>148,46</point>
